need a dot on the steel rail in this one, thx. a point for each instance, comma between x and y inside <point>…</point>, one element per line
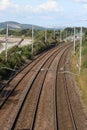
<point>37,58</point>
<point>35,114</point>
<point>56,109</point>
<point>38,99</point>
<point>40,56</point>
<point>69,104</point>
<point>70,111</point>
<point>16,118</point>
<point>8,95</point>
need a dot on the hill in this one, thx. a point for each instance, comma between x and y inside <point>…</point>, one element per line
<point>23,26</point>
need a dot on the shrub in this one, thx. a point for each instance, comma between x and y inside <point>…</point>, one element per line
<point>85,64</point>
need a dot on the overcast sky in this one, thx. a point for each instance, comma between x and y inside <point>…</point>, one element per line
<point>44,12</point>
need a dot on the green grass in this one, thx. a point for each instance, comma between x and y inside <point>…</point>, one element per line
<point>84,50</point>
<point>82,79</point>
<point>82,82</point>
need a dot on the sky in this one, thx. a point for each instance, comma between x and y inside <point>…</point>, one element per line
<point>46,13</point>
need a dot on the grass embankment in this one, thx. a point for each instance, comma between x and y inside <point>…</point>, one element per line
<point>82,78</point>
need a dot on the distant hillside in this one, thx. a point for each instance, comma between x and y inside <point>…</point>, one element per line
<point>23,26</point>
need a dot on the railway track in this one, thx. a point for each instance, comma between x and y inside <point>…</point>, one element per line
<point>9,88</point>
<point>77,113</point>
<point>66,118</point>
<point>69,105</point>
<point>37,95</point>
<point>34,122</point>
<point>35,98</point>
<point>25,68</point>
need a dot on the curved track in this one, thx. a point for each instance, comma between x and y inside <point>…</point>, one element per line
<point>65,114</point>
<point>34,100</point>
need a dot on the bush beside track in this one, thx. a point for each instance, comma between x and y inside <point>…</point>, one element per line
<point>19,56</point>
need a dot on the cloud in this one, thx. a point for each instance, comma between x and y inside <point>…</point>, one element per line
<point>48,10</point>
<point>4,4</point>
<point>50,5</point>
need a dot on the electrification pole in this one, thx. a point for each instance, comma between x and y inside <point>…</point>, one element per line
<point>32,39</point>
<point>60,36</point>
<point>45,35</point>
<point>6,45</point>
<point>54,32</point>
<point>80,51</point>
<point>66,35</point>
<point>74,39</point>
